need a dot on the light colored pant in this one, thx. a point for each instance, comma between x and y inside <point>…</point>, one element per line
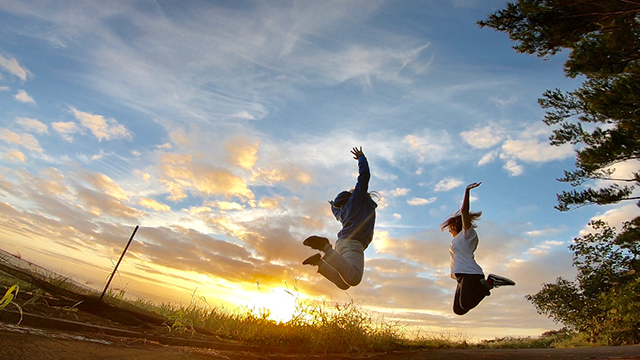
<point>344,265</point>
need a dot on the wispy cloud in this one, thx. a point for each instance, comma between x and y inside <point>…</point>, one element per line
<point>65,129</point>
<point>23,97</point>
<point>33,125</point>
<point>420,201</point>
<point>13,67</point>
<point>100,127</point>
<point>24,140</point>
<point>447,184</point>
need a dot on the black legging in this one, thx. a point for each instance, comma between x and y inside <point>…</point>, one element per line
<point>469,292</point>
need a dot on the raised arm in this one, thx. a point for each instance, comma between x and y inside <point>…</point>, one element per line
<point>464,210</point>
<point>364,174</point>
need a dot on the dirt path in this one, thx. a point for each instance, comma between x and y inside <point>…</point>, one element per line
<point>25,343</point>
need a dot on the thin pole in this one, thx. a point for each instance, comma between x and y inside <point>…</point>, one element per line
<point>118,264</point>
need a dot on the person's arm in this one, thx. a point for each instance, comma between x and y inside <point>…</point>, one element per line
<point>364,174</point>
<point>464,210</point>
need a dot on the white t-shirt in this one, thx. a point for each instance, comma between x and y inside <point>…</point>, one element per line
<point>461,260</point>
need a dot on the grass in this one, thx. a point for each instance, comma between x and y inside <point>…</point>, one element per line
<point>316,326</point>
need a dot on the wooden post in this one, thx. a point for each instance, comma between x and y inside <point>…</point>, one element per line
<point>118,264</point>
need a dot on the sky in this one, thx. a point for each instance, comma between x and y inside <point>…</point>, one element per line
<point>222,129</point>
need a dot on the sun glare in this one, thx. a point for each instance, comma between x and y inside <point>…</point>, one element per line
<point>280,302</point>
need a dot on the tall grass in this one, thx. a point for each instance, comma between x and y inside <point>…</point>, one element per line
<point>315,326</point>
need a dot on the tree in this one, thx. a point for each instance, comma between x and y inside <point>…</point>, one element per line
<point>603,115</point>
<point>602,119</point>
<point>604,299</point>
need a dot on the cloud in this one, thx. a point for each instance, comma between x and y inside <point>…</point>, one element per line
<point>544,232</point>
<point>420,201</point>
<point>483,138</point>
<point>447,184</point>
<point>65,129</point>
<point>271,203</point>
<point>534,150</point>
<point>487,158</point>
<point>15,155</point>
<point>13,67</point>
<point>181,173</point>
<point>532,145</point>
<point>23,97</point>
<point>398,192</point>
<point>418,248</point>
<point>26,141</point>
<point>154,205</point>
<point>625,170</point>
<point>242,152</point>
<point>103,129</point>
<point>105,184</point>
<point>428,147</point>
<point>33,125</point>
<point>513,168</point>
<point>225,205</point>
<point>243,114</point>
<point>615,217</point>
<point>365,63</point>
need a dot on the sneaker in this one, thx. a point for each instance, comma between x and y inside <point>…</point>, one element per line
<point>316,242</point>
<point>500,281</point>
<point>312,260</point>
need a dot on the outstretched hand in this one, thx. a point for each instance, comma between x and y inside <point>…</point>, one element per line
<point>357,152</point>
<point>473,185</point>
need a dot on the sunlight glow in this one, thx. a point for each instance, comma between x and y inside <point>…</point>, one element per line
<point>279,302</point>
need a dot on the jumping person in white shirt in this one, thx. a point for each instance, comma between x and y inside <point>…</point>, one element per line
<point>472,286</point>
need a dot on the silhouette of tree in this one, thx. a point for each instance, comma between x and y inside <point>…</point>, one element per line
<point>602,116</point>
<point>603,301</point>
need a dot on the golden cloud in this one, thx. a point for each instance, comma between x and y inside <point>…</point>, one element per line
<point>103,129</point>
<point>270,203</point>
<point>104,183</point>
<point>27,141</point>
<point>242,152</point>
<point>15,155</point>
<point>182,171</point>
<point>153,205</point>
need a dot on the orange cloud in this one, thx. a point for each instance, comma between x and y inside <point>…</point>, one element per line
<point>270,203</point>
<point>103,129</point>
<point>104,183</point>
<point>16,156</point>
<point>27,141</point>
<point>242,152</point>
<point>181,173</point>
<point>153,205</point>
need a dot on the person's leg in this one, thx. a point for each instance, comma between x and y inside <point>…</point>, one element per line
<point>326,270</point>
<point>347,260</point>
<point>457,309</point>
<point>472,290</point>
<point>331,274</point>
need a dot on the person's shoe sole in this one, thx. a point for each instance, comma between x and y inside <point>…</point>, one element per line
<point>316,242</point>
<point>312,260</point>
<point>500,280</point>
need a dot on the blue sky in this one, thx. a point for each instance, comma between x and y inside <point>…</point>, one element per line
<point>222,129</point>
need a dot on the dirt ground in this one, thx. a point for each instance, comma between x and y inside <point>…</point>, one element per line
<point>60,324</point>
<point>55,333</point>
<point>24,343</point>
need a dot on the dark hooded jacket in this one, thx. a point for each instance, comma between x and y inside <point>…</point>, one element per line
<point>356,210</point>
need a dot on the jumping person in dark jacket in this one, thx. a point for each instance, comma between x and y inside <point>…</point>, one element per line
<point>355,209</point>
